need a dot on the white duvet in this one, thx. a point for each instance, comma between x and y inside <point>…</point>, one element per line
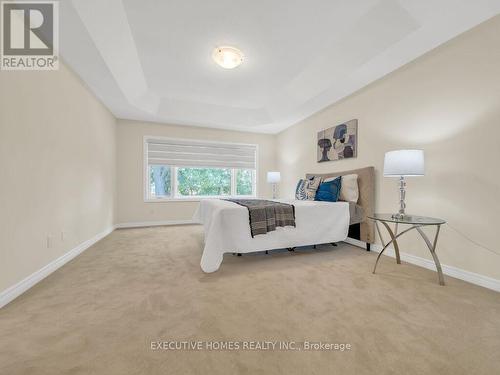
<point>227,228</point>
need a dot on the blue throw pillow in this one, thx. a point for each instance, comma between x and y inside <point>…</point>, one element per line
<point>329,191</point>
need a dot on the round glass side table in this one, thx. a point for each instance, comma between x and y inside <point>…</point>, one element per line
<point>415,222</point>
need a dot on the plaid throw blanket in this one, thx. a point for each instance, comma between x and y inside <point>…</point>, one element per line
<point>265,216</point>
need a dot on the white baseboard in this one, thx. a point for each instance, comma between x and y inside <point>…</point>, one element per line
<point>357,243</point>
<point>140,224</point>
<point>16,290</point>
<point>471,277</point>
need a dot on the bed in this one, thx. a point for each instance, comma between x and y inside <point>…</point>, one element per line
<point>226,224</point>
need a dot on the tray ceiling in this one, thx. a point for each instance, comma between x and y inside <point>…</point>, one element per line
<point>151,60</point>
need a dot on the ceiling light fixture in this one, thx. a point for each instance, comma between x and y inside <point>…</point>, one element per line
<point>227,57</point>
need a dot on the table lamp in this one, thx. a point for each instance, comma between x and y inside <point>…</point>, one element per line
<point>401,164</point>
<point>274,178</point>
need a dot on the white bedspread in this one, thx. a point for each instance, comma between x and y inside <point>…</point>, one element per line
<point>227,228</point>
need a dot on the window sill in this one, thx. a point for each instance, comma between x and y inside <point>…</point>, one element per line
<point>196,199</point>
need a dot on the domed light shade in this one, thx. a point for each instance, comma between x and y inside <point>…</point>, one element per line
<point>227,57</point>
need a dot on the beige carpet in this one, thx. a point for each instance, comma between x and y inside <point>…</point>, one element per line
<point>100,313</point>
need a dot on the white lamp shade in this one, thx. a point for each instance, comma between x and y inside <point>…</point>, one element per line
<point>404,163</point>
<point>273,177</point>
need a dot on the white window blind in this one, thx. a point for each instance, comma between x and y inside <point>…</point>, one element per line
<point>194,153</point>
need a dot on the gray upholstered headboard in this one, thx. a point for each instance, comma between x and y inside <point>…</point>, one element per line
<point>366,184</point>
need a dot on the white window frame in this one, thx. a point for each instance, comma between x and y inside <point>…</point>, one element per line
<point>173,175</point>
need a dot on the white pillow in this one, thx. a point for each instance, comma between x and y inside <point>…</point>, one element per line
<point>349,191</point>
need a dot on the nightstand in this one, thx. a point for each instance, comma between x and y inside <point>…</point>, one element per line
<point>415,222</point>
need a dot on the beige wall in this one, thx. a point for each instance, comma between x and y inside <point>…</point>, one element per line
<point>447,103</point>
<point>131,205</point>
<point>57,169</point>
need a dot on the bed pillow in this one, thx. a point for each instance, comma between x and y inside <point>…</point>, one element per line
<point>349,191</point>
<point>329,191</point>
<point>306,189</point>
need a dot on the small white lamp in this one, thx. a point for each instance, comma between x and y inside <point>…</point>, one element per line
<point>403,163</point>
<point>274,178</point>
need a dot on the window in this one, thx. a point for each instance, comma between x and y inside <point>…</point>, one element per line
<point>183,169</point>
<point>203,181</point>
<point>159,181</point>
<point>244,182</point>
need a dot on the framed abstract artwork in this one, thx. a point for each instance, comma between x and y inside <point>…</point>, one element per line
<point>338,142</point>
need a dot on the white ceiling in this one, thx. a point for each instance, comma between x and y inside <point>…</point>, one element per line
<point>151,59</point>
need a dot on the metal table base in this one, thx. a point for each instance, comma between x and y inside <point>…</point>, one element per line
<point>394,236</point>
